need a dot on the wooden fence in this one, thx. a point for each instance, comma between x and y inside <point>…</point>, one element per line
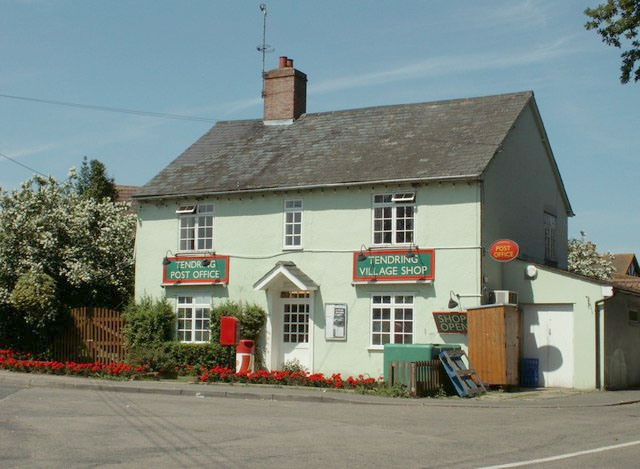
<point>93,334</point>
<point>421,378</point>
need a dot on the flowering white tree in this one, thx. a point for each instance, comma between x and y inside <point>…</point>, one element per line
<point>585,260</point>
<point>84,245</point>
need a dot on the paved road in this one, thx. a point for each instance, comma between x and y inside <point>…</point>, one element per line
<point>48,427</point>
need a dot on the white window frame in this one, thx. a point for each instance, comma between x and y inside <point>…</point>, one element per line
<point>550,223</point>
<point>297,299</point>
<point>194,304</point>
<point>396,200</point>
<point>195,212</point>
<point>392,317</point>
<point>293,210</point>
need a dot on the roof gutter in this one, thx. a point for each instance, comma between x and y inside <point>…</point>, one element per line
<point>460,178</point>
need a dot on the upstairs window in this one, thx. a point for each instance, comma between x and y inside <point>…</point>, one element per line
<point>293,224</point>
<point>393,218</point>
<point>550,222</point>
<point>196,227</point>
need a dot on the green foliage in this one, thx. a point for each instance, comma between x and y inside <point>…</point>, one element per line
<point>85,246</point>
<point>155,357</point>
<point>228,308</point>
<point>149,322</point>
<point>93,182</point>
<point>197,355</point>
<point>584,259</point>
<point>168,358</point>
<point>397,390</point>
<point>252,319</point>
<point>617,22</point>
<point>34,296</point>
<point>293,366</point>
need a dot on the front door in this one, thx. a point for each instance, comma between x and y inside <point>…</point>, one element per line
<point>294,328</point>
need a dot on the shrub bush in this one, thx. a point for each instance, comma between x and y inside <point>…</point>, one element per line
<point>34,297</point>
<point>191,357</point>
<point>252,319</point>
<point>154,358</point>
<point>168,358</point>
<point>148,322</point>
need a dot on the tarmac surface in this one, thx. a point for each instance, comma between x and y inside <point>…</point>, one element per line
<point>522,398</point>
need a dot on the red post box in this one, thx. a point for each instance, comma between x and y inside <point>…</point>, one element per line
<point>229,330</point>
<point>245,351</point>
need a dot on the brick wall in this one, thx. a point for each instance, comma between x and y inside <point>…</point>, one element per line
<point>285,94</point>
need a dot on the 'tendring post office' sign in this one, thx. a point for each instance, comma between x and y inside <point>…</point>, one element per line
<point>183,270</point>
<point>393,265</point>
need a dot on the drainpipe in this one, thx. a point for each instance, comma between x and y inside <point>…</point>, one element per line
<point>599,309</point>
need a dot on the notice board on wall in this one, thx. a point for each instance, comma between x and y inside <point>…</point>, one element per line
<point>335,321</point>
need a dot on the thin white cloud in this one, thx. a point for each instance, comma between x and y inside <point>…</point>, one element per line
<point>510,15</point>
<point>240,105</point>
<point>32,149</point>
<point>447,65</point>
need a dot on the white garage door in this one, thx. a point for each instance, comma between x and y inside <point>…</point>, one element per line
<point>547,334</point>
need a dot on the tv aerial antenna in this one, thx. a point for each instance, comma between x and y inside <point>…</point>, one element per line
<point>264,48</point>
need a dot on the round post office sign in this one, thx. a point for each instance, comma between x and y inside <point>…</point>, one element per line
<point>504,250</point>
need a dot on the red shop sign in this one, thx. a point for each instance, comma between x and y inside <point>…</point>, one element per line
<point>504,250</point>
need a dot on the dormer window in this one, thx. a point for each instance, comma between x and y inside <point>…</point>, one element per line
<point>393,218</point>
<point>196,227</point>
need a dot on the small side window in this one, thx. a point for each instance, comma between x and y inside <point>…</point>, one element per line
<point>292,237</point>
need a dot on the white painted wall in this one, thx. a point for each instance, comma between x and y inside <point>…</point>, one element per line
<point>519,185</point>
<point>335,224</point>
<point>555,287</point>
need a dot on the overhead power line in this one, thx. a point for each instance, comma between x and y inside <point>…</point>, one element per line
<point>109,109</point>
<point>23,165</point>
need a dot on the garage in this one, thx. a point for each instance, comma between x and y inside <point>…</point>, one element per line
<point>547,335</point>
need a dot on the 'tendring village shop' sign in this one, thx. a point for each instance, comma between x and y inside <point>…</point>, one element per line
<point>504,250</point>
<point>190,271</point>
<point>393,265</point>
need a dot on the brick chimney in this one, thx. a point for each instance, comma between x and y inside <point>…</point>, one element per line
<point>285,93</point>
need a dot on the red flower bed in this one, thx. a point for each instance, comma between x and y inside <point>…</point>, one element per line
<point>296,378</point>
<point>10,361</point>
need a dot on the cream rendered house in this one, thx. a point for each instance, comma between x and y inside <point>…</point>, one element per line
<point>352,227</point>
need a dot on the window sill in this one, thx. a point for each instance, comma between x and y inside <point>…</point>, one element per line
<point>393,246</point>
<point>287,248</point>
<point>375,348</point>
<point>196,253</point>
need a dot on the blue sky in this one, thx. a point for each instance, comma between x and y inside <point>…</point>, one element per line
<point>199,58</point>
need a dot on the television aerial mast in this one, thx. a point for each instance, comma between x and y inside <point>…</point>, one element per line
<point>264,48</point>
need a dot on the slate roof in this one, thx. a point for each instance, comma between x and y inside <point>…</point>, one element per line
<point>453,139</point>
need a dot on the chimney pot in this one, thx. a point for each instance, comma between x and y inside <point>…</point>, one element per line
<point>290,63</point>
<point>283,61</point>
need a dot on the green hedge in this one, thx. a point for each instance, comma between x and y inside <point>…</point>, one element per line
<point>148,321</point>
<point>168,358</point>
<point>150,329</point>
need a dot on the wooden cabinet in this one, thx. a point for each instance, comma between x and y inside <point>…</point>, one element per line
<point>494,343</point>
